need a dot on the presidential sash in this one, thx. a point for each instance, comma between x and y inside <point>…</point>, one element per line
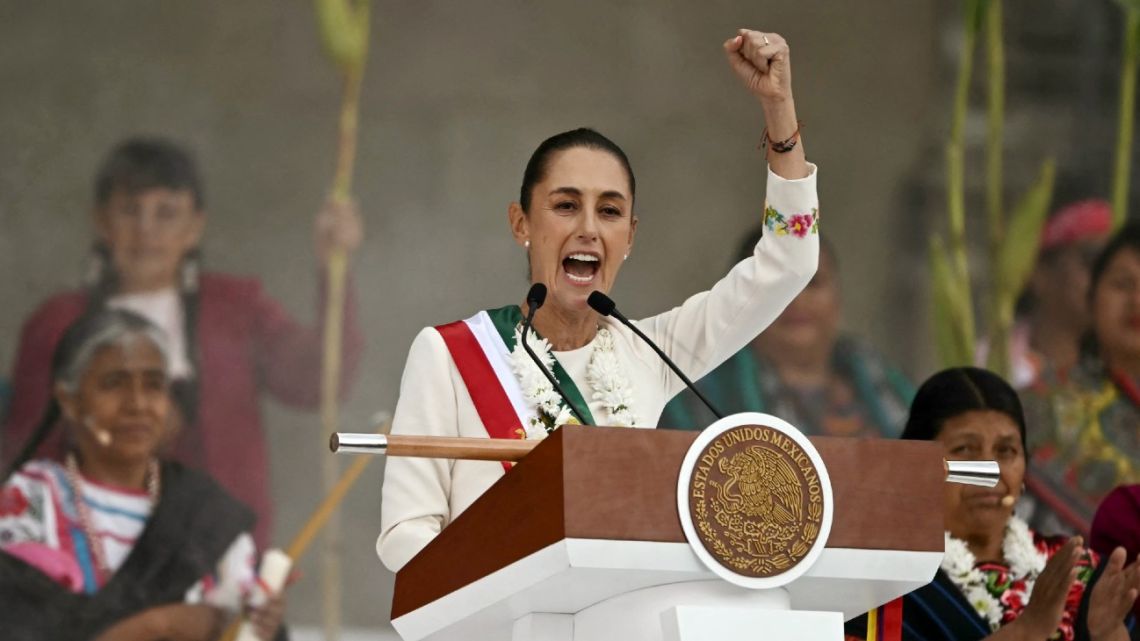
<point>481,348</point>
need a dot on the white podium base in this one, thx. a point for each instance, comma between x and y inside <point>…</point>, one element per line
<point>702,623</point>
<point>690,611</point>
<point>586,589</point>
<point>544,626</point>
<point>638,615</point>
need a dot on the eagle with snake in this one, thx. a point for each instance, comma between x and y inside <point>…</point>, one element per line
<point>762,485</point>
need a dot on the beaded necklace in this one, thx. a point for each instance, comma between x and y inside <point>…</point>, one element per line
<point>94,540</point>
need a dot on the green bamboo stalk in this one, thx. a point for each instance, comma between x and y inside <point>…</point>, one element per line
<point>955,175</point>
<point>1122,174</point>
<point>999,324</point>
<point>995,57</point>
<point>336,275</point>
<point>344,28</point>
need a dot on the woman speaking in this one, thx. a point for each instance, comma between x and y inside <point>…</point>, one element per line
<point>576,220</point>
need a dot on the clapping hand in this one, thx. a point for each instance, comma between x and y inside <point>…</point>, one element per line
<point>1112,597</point>
<point>1046,606</point>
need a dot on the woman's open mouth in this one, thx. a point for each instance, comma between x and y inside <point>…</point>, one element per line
<point>581,267</point>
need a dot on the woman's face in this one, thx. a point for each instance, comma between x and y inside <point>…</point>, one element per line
<point>1060,282</point>
<point>580,226</point>
<point>123,395</point>
<point>982,435</point>
<point>1116,307</point>
<point>811,320</point>
<point>148,234</point>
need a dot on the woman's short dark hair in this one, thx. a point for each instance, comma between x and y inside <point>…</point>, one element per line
<point>539,161</point>
<point>956,391</point>
<point>138,164</point>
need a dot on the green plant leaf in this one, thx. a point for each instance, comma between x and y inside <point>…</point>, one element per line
<point>975,14</point>
<point>1018,253</point>
<point>344,29</point>
<point>953,331</point>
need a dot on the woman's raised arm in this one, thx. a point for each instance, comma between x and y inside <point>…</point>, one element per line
<point>763,63</point>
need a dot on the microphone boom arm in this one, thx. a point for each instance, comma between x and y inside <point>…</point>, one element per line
<point>668,361</point>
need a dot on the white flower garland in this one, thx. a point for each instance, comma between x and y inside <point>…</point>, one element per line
<point>608,381</point>
<point>1025,563</point>
<point>604,374</point>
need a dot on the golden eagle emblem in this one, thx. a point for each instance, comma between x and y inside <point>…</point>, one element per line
<point>761,484</point>
<point>756,501</point>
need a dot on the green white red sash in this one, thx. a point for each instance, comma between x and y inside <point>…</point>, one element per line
<point>481,348</point>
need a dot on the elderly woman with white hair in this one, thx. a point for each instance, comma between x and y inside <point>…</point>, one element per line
<point>112,542</point>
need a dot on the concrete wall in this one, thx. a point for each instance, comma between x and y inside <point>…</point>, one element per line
<point>457,95</point>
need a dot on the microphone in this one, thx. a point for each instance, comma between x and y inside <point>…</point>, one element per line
<point>606,306</point>
<point>102,436</point>
<point>534,299</point>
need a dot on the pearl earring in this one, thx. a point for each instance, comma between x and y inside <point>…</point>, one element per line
<point>526,244</point>
<point>625,257</point>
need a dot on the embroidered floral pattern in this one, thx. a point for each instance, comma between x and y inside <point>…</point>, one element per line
<point>12,501</point>
<point>798,225</point>
<point>999,592</point>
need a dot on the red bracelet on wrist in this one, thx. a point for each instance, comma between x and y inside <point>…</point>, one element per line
<point>782,146</point>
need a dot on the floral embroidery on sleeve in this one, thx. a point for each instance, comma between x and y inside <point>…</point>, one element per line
<point>12,501</point>
<point>798,225</point>
<point>24,504</point>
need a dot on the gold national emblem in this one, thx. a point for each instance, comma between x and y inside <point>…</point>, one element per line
<point>756,501</point>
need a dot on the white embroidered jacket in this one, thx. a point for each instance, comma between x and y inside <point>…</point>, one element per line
<point>421,496</point>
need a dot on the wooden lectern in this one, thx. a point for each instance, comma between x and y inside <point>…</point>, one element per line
<point>582,541</point>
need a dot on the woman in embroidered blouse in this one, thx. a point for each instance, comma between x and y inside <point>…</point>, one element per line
<point>152,550</point>
<point>576,220</point>
<point>1000,580</point>
<point>1088,440</point>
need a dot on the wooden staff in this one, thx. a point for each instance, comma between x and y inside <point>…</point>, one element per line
<point>344,28</point>
<point>471,449</point>
<point>319,518</point>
